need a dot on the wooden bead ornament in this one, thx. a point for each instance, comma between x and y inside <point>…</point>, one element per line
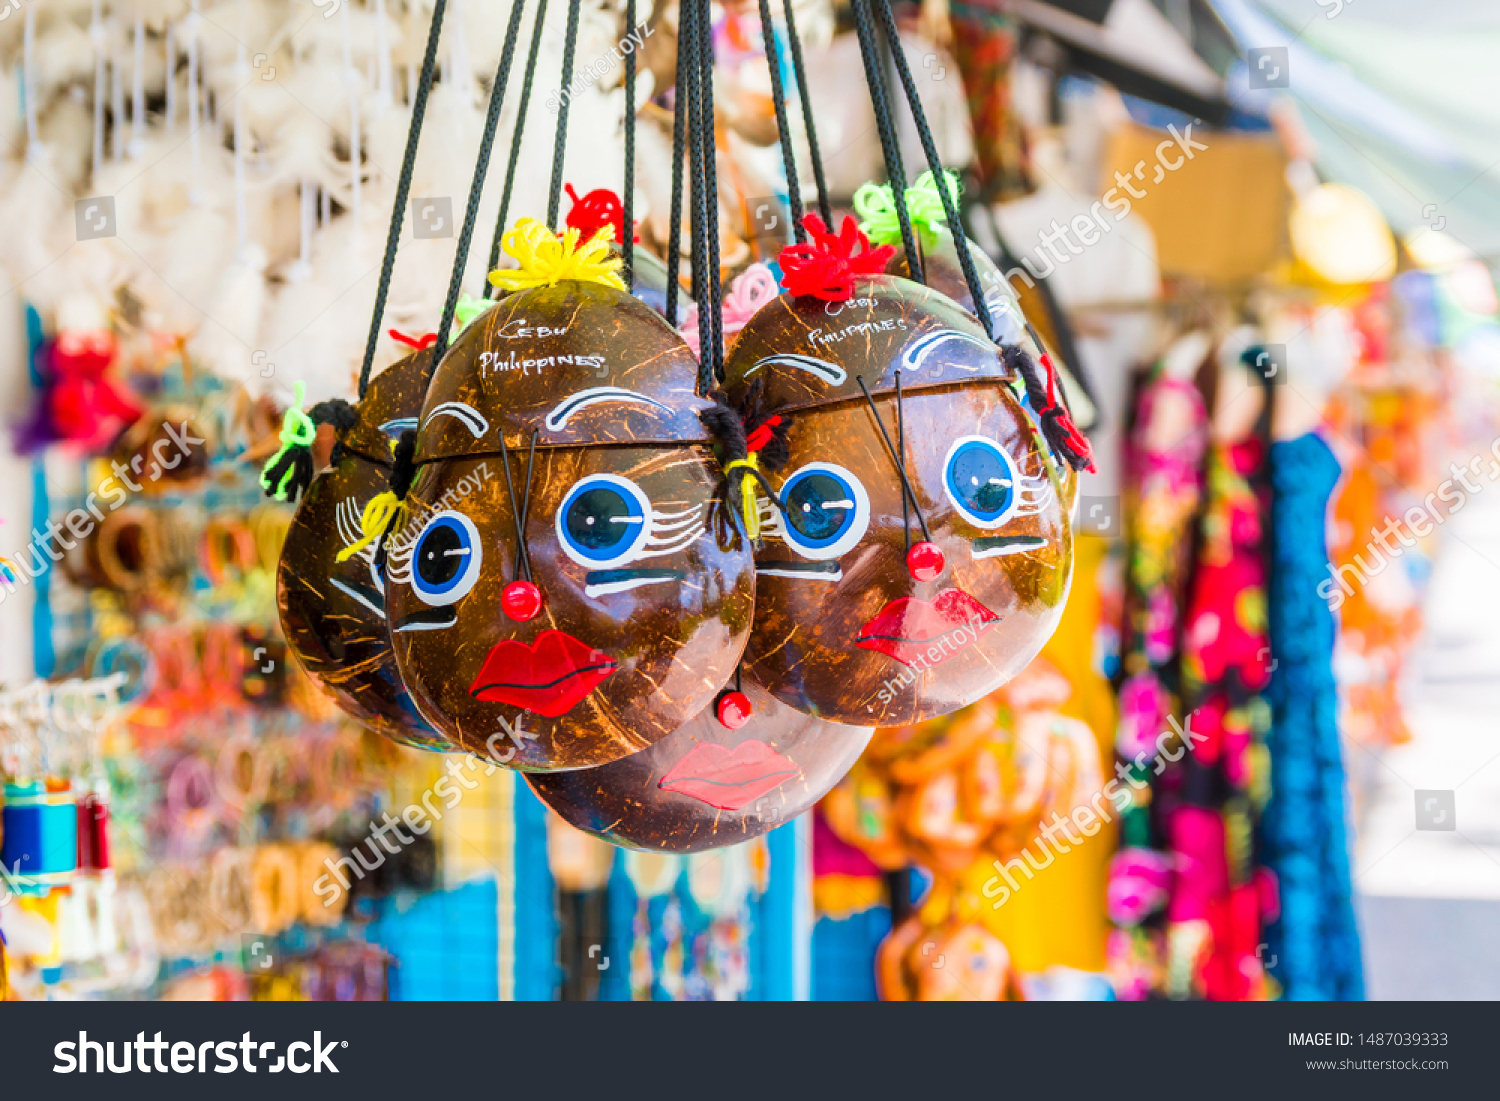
<point>920,550</point>
<point>564,590</point>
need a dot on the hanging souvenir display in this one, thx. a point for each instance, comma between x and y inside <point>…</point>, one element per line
<point>1208,792</point>
<point>1315,941</point>
<point>946,606</point>
<point>630,599</point>
<point>560,573</point>
<point>707,784</point>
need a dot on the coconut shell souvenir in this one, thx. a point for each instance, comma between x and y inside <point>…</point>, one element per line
<point>708,784</point>
<point>564,590</point>
<point>920,550</point>
<point>329,592</point>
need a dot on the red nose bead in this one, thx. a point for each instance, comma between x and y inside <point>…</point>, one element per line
<point>925,561</point>
<point>521,600</point>
<point>734,709</point>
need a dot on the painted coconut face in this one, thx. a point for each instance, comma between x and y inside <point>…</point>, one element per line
<point>706,786</point>
<point>843,630</point>
<point>644,591</point>
<point>332,612</point>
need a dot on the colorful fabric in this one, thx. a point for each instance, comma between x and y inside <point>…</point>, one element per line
<point>1219,787</point>
<point>984,45</point>
<point>1314,947</point>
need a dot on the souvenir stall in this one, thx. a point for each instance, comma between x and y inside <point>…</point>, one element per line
<point>679,501</point>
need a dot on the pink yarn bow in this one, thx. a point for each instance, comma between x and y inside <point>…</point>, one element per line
<point>751,290</point>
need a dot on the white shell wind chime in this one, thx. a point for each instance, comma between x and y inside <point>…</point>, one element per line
<point>243,155</point>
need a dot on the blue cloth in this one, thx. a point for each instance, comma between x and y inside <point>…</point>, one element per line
<point>1304,833</point>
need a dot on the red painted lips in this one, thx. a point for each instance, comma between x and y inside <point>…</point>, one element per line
<point>912,630</point>
<point>729,778</point>
<point>548,677</point>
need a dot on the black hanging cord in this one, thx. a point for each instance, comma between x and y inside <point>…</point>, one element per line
<point>901,444</point>
<point>679,151</point>
<point>799,70</point>
<point>570,47</point>
<point>896,457</point>
<point>889,145</point>
<point>688,87</point>
<point>713,352</point>
<point>522,553</point>
<point>1066,346</point>
<point>481,169</point>
<point>627,190</point>
<point>934,162</point>
<point>517,509</point>
<point>783,128</point>
<point>403,471</point>
<point>403,189</point>
<point>515,144</point>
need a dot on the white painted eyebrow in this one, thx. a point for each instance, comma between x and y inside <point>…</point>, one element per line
<point>564,411</point>
<point>466,414</point>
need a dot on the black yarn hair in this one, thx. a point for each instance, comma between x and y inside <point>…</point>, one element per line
<point>727,422</point>
<point>299,460</point>
<point>403,473</point>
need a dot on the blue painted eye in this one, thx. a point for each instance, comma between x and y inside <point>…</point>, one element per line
<point>827,511</point>
<point>445,559</point>
<point>981,481</point>
<point>604,521</point>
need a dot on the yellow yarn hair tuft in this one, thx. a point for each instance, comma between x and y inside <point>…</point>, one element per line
<point>547,259</point>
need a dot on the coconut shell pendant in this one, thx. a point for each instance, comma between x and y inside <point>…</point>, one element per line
<point>707,785</point>
<point>567,413</point>
<point>332,612</point>
<point>876,605</point>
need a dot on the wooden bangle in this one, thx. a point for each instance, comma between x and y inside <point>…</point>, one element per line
<point>274,897</point>
<point>227,544</point>
<point>126,552</point>
<point>316,908</point>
